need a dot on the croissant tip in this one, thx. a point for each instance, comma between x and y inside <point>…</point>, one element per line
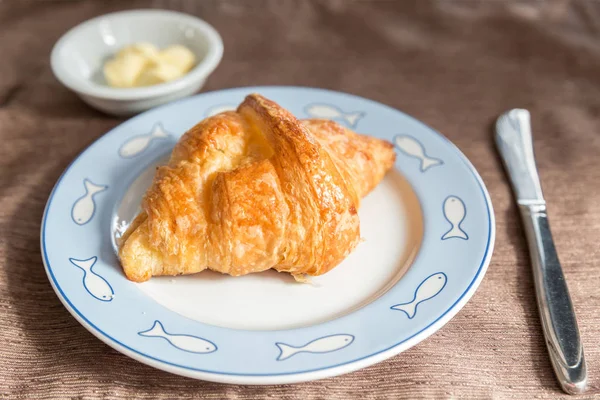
<point>302,278</point>
<point>255,96</point>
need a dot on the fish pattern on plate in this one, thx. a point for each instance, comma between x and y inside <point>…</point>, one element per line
<point>325,344</point>
<point>455,213</point>
<point>415,149</point>
<point>93,283</point>
<point>84,207</point>
<point>214,110</point>
<point>189,343</point>
<point>138,144</point>
<point>428,289</point>
<point>328,111</point>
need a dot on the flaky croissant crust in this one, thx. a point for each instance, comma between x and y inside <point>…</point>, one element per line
<point>255,189</point>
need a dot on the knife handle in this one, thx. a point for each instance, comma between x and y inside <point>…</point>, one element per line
<point>555,308</point>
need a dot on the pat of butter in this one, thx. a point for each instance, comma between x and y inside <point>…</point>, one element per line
<point>178,56</point>
<point>143,64</point>
<point>123,71</point>
<point>147,50</point>
<point>158,73</point>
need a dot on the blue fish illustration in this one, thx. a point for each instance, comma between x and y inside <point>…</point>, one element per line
<point>138,144</point>
<point>84,207</point>
<point>189,343</point>
<point>455,213</point>
<point>214,110</point>
<point>428,289</point>
<point>413,148</point>
<point>327,111</point>
<point>95,285</point>
<point>321,345</point>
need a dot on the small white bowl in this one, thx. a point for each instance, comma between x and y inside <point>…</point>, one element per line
<point>79,55</point>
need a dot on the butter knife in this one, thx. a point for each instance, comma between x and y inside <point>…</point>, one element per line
<point>513,139</point>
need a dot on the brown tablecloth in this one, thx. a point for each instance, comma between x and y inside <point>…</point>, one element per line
<point>453,64</point>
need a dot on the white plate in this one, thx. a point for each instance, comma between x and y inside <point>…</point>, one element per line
<point>429,231</point>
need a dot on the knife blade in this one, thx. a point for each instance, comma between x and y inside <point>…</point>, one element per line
<point>514,143</point>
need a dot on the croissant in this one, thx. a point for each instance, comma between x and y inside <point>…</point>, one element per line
<point>255,189</point>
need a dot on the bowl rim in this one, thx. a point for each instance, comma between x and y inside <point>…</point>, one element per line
<point>201,71</point>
